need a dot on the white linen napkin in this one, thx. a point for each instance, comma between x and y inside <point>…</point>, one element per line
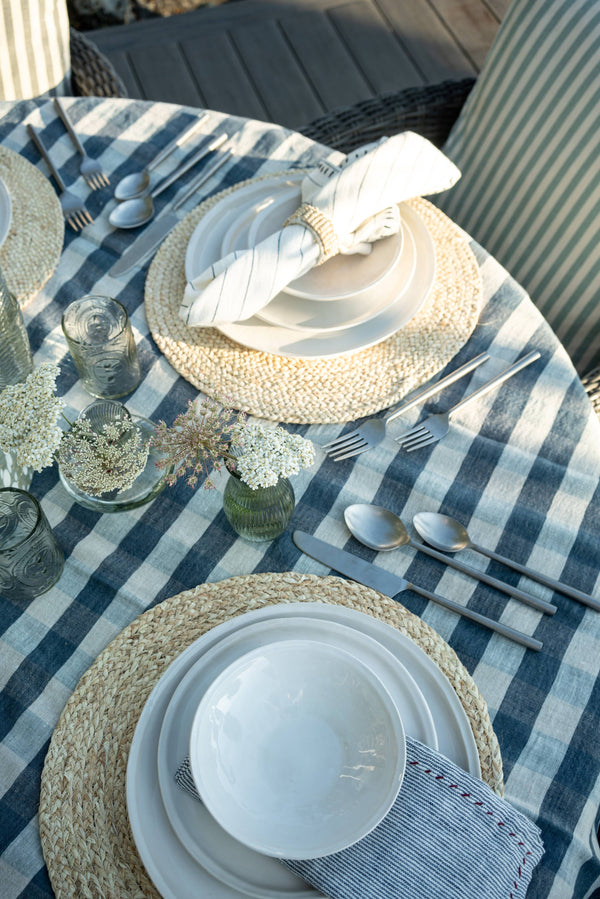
<point>344,209</point>
<point>447,834</point>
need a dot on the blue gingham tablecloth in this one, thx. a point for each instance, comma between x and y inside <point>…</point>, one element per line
<point>520,467</point>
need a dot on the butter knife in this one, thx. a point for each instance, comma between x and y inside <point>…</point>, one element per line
<point>154,235</point>
<point>390,584</point>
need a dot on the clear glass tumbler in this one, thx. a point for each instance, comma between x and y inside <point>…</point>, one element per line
<point>100,340</point>
<point>31,560</point>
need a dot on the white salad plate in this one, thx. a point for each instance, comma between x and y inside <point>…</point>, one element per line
<point>297,749</point>
<point>174,871</point>
<point>291,311</point>
<point>205,840</point>
<point>5,212</point>
<point>204,248</point>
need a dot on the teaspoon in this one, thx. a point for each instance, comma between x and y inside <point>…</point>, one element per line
<point>134,213</point>
<point>449,535</point>
<point>136,184</point>
<point>382,530</point>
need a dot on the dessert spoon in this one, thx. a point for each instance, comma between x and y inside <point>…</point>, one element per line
<point>451,536</point>
<point>382,530</point>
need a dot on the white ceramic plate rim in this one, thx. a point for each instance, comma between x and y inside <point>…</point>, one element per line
<point>5,212</point>
<point>256,335</point>
<point>172,869</point>
<point>196,828</point>
<point>305,655</point>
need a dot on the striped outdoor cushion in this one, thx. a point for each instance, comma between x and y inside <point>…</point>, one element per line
<point>34,49</point>
<point>528,144</point>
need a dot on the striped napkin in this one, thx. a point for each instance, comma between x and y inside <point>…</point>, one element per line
<point>344,209</point>
<point>448,834</point>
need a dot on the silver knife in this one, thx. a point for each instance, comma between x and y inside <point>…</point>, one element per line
<point>154,235</point>
<point>390,584</point>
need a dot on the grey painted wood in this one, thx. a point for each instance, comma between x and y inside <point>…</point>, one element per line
<point>377,50</point>
<point>289,61</point>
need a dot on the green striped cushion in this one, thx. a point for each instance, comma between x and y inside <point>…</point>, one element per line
<point>34,49</point>
<point>528,144</point>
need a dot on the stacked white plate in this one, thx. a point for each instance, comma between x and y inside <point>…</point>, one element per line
<point>349,303</point>
<point>5,212</point>
<point>185,851</point>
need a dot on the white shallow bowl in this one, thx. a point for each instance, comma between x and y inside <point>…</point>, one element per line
<point>297,749</point>
<point>341,277</point>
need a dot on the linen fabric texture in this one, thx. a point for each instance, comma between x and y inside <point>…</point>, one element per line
<point>358,199</point>
<point>527,142</point>
<point>447,834</point>
<point>35,57</point>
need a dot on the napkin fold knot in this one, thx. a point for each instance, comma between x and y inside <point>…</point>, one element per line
<point>321,227</point>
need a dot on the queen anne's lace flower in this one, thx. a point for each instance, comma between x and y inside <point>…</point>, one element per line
<point>108,459</point>
<point>207,436</point>
<point>29,412</point>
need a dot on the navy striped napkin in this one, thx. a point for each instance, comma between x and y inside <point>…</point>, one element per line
<point>447,834</point>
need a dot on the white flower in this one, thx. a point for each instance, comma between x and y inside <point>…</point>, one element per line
<point>105,460</point>
<point>270,453</point>
<point>29,412</point>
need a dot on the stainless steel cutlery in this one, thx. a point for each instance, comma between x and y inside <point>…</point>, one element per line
<point>73,208</point>
<point>91,169</point>
<point>371,432</point>
<point>433,428</point>
<point>390,584</point>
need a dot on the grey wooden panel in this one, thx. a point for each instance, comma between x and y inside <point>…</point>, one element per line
<point>328,65</point>
<point>377,51</point>
<point>122,64</point>
<point>427,40</point>
<point>222,77</point>
<point>164,74</point>
<point>277,75</point>
<point>472,25</point>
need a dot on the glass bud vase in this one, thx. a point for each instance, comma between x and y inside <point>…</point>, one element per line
<point>16,361</point>
<point>258,515</point>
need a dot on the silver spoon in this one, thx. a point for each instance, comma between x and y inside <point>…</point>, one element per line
<point>380,529</point>
<point>136,184</point>
<point>449,535</point>
<point>134,213</point>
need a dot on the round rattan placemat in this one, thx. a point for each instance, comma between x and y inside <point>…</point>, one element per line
<point>31,251</point>
<point>86,839</point>
<point>315,391</point>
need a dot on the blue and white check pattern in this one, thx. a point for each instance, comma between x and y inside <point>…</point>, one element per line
<point>521,468</point>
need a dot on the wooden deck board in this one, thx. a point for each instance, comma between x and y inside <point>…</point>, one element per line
<point>289,61</point>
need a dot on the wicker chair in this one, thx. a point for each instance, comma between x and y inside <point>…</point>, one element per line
<point>92,75</point>
<point>430,111</point>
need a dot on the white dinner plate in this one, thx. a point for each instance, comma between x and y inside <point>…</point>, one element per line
<point>174,871</point>
<point>204,248</point>
<point>287,310</point>
<point>5,211</point>
<point>202,836</point>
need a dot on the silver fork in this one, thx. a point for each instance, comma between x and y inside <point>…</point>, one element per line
<point>371,432</point>
<point>435,427</point>
<point>73,209</point>
<point>90,168</point>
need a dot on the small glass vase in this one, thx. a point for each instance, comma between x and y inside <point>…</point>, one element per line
<point>148,484</point>
<point>258,515</point>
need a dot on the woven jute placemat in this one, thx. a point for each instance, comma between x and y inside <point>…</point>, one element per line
<point>86,839</point>
<point>314,391</point>
<point>32,248</point>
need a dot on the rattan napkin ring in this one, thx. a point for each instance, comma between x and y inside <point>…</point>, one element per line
<point>322,229</point>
